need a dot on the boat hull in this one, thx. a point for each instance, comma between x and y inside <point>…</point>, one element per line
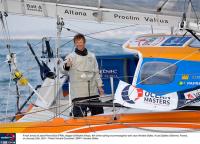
<point>161,121</point>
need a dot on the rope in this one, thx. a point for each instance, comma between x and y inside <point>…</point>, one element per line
<point>27,113</point>
<point>3,29</point>
<point>3,62</point>
<point>43,109</point>
<point>93,37</point>
<point>88,34</point>
<point>8,96</point>
<point>6,34</point>
<point>36,44</point>
<point>109,30</point>
<point>7,27</point>
<point>58,114</point>
<point>194,12</point>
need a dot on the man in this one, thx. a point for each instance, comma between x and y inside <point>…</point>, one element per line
<point>85,81</point>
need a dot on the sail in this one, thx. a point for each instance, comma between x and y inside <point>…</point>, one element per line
<point>146,12</point>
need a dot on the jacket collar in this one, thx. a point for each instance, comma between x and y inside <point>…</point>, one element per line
<point>81,53</point>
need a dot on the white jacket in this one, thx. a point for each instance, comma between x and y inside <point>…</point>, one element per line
<point>83,72</point>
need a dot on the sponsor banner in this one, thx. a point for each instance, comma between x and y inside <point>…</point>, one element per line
<point>192,94</point>
<point>107,73</point>
<point>147,41</point>
<point>140,18</point>
<point>176,41</point>
<point>155,41</point>
<point>34,8</point>
<point>133,97</point>
<point>88,13</point>
<point>68,12</point>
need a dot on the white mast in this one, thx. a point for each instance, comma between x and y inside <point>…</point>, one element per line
<point>60,24</point>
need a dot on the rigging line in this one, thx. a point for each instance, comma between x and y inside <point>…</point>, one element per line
<point>26,50</point>
<point>27,113</point>
<point>185,6</point>
<point>61,112</point>
<point>194,12</point>
<point>3,32</point>
<point>119,44</point>
<point>3,62</point>
<point>110,121</point>
<point>66,43</point>
<point>93,37</point>
<point>29,75</point>
<point>112,29</point>
<point>98,32</point>
<point>7,27</point>
<point>18,97</point>
<point>36,44</point>
<point>42,109</point>
<point>71,106</point>
<point>86,120</point>
<point>7,35</point>
<point>8,96</point>
<point>3,25</point>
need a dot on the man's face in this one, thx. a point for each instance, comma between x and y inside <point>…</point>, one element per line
<point>80,45</point>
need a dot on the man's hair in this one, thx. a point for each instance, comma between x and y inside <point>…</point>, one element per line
<point>79,36</point>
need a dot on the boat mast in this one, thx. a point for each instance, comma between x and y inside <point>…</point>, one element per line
<point>60,24</point>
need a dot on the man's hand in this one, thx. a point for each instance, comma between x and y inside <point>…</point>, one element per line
<point>59,61</point>
<point>101,91</point>
<point>68,62</point>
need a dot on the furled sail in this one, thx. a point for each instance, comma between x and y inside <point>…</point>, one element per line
<point>149,12</point>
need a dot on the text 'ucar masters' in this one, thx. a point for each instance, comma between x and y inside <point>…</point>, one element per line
<point>140,18</point>
<point>75,12</point>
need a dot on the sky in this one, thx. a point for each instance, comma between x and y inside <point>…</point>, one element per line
<point>23,27</point>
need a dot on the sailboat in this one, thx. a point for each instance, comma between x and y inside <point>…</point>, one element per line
<point>163,94</point>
